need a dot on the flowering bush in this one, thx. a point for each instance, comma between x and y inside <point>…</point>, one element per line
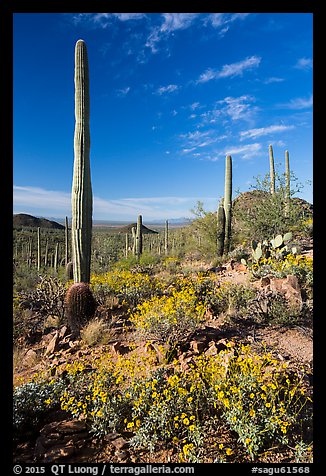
<point>169,318</point>
<point>130,288</point>
<point>254,397</point>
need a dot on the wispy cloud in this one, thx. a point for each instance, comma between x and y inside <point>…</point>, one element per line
<point>123,92</point>
<point>166,89</point>
<point>171,22</point>
<point>238,107</point>
<point>222,21</point>
<point>246,151</point>
<point>304,64</point>
<point>43,202</point>
<point>230,70</point>
<point>273,79</point>
<point>177,21</point>
<point>298,103</point>
<point>103,20</point>
<point>263,131</point>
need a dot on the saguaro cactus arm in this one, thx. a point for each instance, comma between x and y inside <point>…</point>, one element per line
<point>81,197</point>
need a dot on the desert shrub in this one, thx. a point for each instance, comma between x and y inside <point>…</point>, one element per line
<point>254,395</point>
<point>266,215</point>
<point>169,318</point>
<point>31,402</point>
<point>95,332</point>
<point>130,288</point>
<point>47,298</point>
<point>233,299</point>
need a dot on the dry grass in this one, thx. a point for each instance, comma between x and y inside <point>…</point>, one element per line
<point>95,332</point>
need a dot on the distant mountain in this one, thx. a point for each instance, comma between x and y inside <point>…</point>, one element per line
<point>128,228</point>
<point>22,219</point>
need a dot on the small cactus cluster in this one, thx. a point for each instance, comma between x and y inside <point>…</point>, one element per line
<point>276,248</point>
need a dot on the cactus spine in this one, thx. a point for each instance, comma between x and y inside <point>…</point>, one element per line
<point>81,197</point>
<point>228,202</point>
<point>287,183</point>
<point>220,229</point>
<point>271,169</point>
<point>139,237</point>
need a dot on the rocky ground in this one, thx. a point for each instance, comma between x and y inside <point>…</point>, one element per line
<point>63,439</point>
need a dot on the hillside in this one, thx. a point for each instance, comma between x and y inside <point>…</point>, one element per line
<point>22,219</point>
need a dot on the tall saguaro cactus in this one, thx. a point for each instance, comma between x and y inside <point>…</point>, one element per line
<point>166,237</point>
<point>220,229</point>
<point>287,183</point>
<point>228,202</point>
<point>139,237</point>
<point>81,197</point>
<point>66,241</point>
<point>271,169</point>
<point>79,301</point>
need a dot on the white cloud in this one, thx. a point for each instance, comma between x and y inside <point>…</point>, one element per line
<point>304,64</point>
<point>177,21</point>
<point>41,202</point>
<point>230,70</point>
<point>237,107</point>
<point>273,79</point>
<point>246,151</point>
<point>128,16</point>
<point>298,103</point>
<point>263,131</point>
<point>123,92</point>
<point>167,89</point>
<point>237,69</point>
<point>171,22</point>
<point>218,20</point>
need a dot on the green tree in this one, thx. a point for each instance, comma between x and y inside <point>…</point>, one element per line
<point>260,214</point>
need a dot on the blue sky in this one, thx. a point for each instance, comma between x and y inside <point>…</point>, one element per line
<point>171,95</point>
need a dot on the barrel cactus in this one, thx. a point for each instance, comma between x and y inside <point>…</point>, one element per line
<point>79,306</point>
